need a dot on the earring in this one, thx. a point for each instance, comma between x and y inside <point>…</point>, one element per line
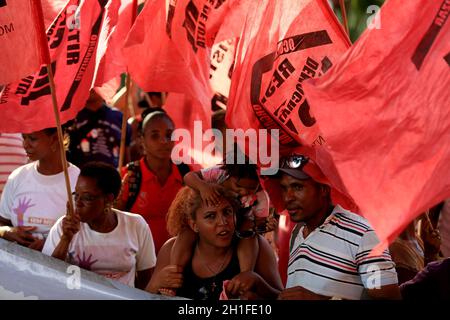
<point>107,208</point>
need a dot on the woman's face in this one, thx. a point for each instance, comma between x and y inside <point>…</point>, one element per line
<point>157,134</point>
<point>38,144</point>
<point>215,224</point>
<point>89,200</point>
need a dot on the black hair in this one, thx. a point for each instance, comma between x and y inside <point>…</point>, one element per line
<point>53,130</point>
<point>218,119</point>
<point>154,113</point>
<point>106,176</point>
<point>239,170</point>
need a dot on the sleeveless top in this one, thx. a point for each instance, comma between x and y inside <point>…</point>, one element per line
<point>197,288</point>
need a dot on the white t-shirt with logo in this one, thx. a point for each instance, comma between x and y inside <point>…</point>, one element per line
<point>116,255</point>
<point>33,199</point>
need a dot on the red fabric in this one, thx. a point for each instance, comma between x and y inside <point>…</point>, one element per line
<point>154,201</point>
<point>184,111</point>
<point>283,43</point>
<point>388,131</point>
<point>20,42</point>
<point>27,105</point>
<point>112,63</point>
<point>51,9</point>
<point>172,53</point>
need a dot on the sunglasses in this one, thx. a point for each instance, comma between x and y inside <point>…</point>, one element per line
<point>294,162</point>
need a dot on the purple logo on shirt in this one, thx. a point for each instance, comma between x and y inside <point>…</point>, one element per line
<point>23,206</point>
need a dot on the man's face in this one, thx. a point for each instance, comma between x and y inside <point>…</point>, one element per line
<point>304,199</point>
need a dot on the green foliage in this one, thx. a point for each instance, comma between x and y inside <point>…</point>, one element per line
<point>357,14</point>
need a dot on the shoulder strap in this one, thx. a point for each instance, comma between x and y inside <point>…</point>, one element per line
<point>294,235</point>
<point>134,183</point>
<point>183,168</point>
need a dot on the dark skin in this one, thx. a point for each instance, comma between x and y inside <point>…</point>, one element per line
<point>89,208</point>
<point>42,147</point>
<point>308,201</point>
<point>158,147</point>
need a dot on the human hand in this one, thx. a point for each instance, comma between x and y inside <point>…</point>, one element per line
<point>300,293</point>
<point>38,244</point>
<point>70,226</point>
<point>22,235</point>
<point>210,194</point>
<point>169,277</point>
<point>241,284</point>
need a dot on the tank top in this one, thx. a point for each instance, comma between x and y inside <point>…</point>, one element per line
<point>197,288</point>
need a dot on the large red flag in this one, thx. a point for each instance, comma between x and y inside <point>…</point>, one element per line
<point>22,44</point>
<point>284,42</point>
<point>194,117</point>
<point>385,112</point>
<point>73,38</point>
<point>169,46</point>
<point>110,57</point>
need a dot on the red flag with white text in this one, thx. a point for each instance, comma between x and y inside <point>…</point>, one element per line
<point>22,41</point>
<point>73,38</point>
<point>389,127</point>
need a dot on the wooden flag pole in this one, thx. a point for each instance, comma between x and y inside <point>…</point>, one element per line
<point>45,56</point>
<point>60,138</point>
<point>123,136</point>
<point>344,16</point>
<point>127,92</point>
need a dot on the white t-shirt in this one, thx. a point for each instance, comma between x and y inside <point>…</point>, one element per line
<point>117,254</point>
<point>33,199</point>
<point>334,259</point>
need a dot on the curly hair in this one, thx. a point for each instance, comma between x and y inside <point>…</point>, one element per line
<point>185,205</point>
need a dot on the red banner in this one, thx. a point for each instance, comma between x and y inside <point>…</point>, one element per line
<point>22,45</point>
<point>169,46</point>
<point>388,132</point>
<point>284,42</point>
<point>73,38</point>
<point>112,63</point>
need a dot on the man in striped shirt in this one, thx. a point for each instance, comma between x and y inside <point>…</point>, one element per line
<point>12,155</point>
<point>330,246</point>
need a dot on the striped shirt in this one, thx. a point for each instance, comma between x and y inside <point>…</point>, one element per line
<point>12,155</point>
<point>334,259</point>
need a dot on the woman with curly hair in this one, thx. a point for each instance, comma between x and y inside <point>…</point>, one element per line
<point>214,256</point>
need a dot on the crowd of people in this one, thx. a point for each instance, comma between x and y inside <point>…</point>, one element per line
<point>210,234</point>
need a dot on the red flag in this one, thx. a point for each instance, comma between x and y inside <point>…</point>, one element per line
<point>389,126</point>
<point>22,41</point>
<point>169,46</point>
<point>52,8</point>
<point>112,64</point>
<point>73,38</point>
<point>284,42</point>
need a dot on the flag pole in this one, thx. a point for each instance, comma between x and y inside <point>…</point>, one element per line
<point>344,16</point>
<point>127,92</point>
<point>45,56</point>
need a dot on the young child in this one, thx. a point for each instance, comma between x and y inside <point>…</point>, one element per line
<point>241,179</point>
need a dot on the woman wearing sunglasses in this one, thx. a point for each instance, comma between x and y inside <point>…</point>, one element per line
<point>213,258</point>
<point>113,243</point>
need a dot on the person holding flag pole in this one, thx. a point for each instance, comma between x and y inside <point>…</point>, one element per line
<point>23,208</point>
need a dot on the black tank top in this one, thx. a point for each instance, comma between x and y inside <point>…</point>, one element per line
<point>197,288</point>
